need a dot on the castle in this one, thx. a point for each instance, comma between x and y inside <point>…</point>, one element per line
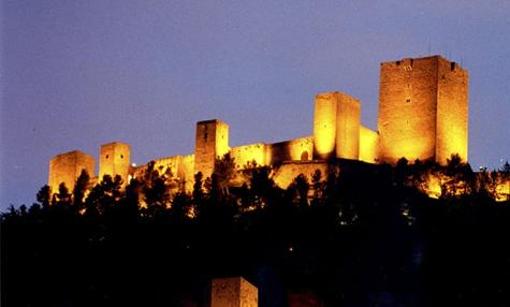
<point>423,114</point>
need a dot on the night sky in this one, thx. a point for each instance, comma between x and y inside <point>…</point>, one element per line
<point>77,74</point>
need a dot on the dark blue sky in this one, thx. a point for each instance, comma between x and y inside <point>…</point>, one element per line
<point>76,74</point>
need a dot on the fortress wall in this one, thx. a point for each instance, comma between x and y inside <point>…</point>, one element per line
<point>347,127</point>
<point>211,142</point>
<point>67,167</point>
<point>503,190</point>
<point>222,134</point>
<point>368,145</point>
<point>288,171</point>
<point>293,150</point>
<point>452,111</point>
<point>181,167</point>
<point>233,292</point>
<point>407,109</point>
<point>115,159</point>
<point>248,153</point>
<point>161,165</point>
<point>169,163</point>
<point>138,171</point>
<point>324,125</point>
<point>187,171</point>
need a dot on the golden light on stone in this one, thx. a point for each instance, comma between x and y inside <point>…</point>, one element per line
<point>423,105</point>
<point>324,125</point>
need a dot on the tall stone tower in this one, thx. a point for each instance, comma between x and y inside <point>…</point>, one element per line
<point>211,142</point>
<point>67,167</point>
<point>423,110</point>
<point>347,127</point>
<point>115,159</point>
<point>336,126</point>
<point>324,126</point>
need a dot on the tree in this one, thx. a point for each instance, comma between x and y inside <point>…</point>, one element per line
<point>318,188</point>
<point>182,207</point>
<point>44,196</point>
<point>262,188</point>
<point>104,195</point>
<point>505,170</point>
<point>198,192</point>
<point>80,188</point>
<point>460,178</point>
<point>63,197</point>
<point>299,190</point>
<point>224,172</point>
<point>155,191</point>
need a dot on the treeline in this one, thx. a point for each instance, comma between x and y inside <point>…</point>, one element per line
<point>361,235</point>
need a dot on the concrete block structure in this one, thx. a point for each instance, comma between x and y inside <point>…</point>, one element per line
<point>423,114</point>
<point>233,292</point>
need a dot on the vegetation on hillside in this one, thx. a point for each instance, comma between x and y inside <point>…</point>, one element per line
<point>368,235</point>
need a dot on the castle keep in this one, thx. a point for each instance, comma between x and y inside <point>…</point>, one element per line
<point>423,114</point>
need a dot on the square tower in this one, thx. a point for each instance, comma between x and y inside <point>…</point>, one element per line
<point>336,126</point>
<point>211,142</point>
<point>67,167</point>
<point>233,292</point>
<point>347,127</point>
<point>115,159</point>
<point>324,126</point>
<point>423,108</point>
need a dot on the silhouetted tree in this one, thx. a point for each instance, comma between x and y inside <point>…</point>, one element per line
<point>156,191</point>
<point>460,178</point>
<point>80,188</point>
<point>182,207</point>
<point>104,196</point>
<point>299,188</point>
<point>505,169</point>
<point>224,172</point>
<point>198,190</point>
<point>44,196</point>
<point>318,186</point>
<point>63,197</point>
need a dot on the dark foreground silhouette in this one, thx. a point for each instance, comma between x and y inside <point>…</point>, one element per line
<point>362,237</point>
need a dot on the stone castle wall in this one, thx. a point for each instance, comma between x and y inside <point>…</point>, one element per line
<point>347,127</point>
<point>452,111</point>
<point>336,126</point>
<point>233,292</point>
<point>115,159</point>
<point>211,142</point>
<point>286,173</point>
<point>407,109</point>
<point>180,168</point>
<point>324,126</point>
<point>368,145</point>
<point>67,167</point>
<point>245,154</point>
<point>299,149</point>
<point>423,114</point>
<point>423,110</point>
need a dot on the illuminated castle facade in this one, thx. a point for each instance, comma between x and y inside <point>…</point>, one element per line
<point>423,114</point>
